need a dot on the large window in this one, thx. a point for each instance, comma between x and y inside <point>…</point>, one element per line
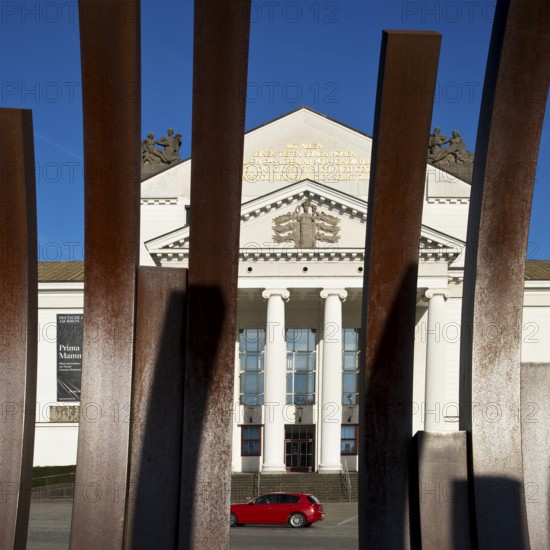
<point>251,358</point>
<point>251,441</point>
<point>348,442</point>
<point>301,358</point>
<point>350,366</point>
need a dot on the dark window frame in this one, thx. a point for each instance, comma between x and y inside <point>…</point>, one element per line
<point>355,440</point>
<point>246,440</point>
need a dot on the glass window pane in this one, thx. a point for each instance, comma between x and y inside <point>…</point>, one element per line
<point>289,383</point>
<point>350,339</point>
<point>300,361</point>
<point>348,432</point>
<point>251,383</point>
<point>312,339</point>
<point>349,382</point>
<point>289,361</point>
<point>251,339</point>
<point>311,361</point>
<point>350,361</point>
<point>261,339</point>
<point>301,340</point>
<point>300,383</point>
<point>311,383</point>
<point>290,337</point>
<point>241,340</point>
<point>251,362</point>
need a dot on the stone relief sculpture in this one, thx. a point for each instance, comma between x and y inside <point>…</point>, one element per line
<point>154,159</point>
<point>455,158</point>
<point>305,226</point>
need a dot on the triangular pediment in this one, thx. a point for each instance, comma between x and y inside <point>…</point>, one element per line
<point>303,219</point>
<point>300,145</point>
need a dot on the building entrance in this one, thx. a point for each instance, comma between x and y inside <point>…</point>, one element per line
<point>299,448</point>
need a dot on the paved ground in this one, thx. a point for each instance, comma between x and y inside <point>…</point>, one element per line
<point>50,521</point>
<point>338,530</point>
<point>49,525</point>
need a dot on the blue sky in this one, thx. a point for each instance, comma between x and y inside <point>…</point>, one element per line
<point>321,54</point>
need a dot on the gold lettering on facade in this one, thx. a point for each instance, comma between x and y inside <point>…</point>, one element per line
<point>300,161</point>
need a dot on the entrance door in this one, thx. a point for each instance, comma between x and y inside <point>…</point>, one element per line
<point>299,448</point>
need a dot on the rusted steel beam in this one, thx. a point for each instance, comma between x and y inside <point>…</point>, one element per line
<point>157,410</point>
<point>512,111</point>
<point>407,75</point>
<point>219,90</point>
<point>18,322</point>
<point>110,54</point>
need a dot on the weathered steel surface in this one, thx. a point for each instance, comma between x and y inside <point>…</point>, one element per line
<point>443,490</point>
<point>512,111</point>
<point>110,53</point>
<point>535,446</point>
<point>219,90</point>
<point>157,410</point>
<point>18,321</point>
<point>407,75</point>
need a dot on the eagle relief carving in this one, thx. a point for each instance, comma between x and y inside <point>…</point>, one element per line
<point>306,225</point>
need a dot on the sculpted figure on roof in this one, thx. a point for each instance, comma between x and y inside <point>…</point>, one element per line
<point>450,154</point>
<point>154,159</point>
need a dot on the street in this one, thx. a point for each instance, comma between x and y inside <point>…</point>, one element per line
<point>50,524</point>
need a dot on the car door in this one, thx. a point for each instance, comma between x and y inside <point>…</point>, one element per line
<point>260,510</point>
<point>279,508</point>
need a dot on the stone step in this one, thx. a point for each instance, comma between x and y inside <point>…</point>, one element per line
<point>326,487</point>
<point>244,487</point>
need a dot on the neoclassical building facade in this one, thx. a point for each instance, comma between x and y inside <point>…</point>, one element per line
<point>303,229</point>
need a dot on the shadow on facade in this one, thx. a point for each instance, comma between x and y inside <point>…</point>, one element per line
<point>385,481</point>
<point>209,364</point>
<point>157,410</point>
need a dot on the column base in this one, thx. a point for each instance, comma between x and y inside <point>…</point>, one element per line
<point>273,469</point>
<point>330,468</point>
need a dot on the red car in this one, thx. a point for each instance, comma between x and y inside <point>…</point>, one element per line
<point>296,509</point>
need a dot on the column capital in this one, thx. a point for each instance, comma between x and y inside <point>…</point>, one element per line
<point>340,292</point>
<point>431,292</point>
<point>282,292</point>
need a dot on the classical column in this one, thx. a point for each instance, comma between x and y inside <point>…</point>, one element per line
<point>275,381</point>
<point>331,392</point>
<point>434,399</point>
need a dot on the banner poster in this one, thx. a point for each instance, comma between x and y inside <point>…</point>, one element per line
<point>69,356</point>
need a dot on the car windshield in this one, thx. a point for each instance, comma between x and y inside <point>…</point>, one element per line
<point>313,499</point>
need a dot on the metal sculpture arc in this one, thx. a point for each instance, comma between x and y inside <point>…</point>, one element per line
<point>219,100</point>
<point>408,68</point>
<point>513,105</point>
<point>110,54</point>
<point>18,322</point>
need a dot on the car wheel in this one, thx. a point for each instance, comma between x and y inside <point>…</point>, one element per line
<point>233,520</point>
<point>297,520</point>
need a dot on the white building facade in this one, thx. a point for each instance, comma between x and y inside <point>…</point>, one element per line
<point>303,228</point>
